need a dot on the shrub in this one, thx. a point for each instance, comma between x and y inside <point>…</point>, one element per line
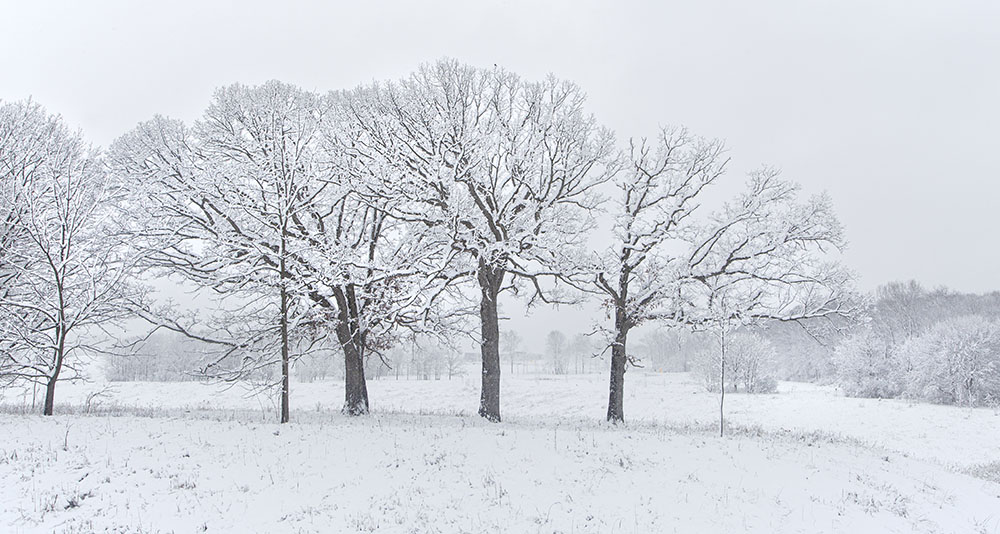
<point>868,365</point>
<point>956,362</point>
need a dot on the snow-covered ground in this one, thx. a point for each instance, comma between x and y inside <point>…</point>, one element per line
<point>162,457</point>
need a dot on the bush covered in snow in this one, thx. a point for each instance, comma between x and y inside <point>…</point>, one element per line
<point>956,362</point>
<point>749,364</point>
<point>869,365</point>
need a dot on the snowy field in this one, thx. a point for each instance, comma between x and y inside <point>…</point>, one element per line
<point>165,457</point>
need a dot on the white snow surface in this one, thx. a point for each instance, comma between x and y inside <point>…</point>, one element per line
<point>190,457</point>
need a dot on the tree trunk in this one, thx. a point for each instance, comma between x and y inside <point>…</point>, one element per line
<point>490,279</point>
<point>284,338</point>
<point>352,342</point>
<point>60,353</point>
<point>284,355</point>
<point>722,387</point>
<point>616,413</point>
<point>355,387</point>
<point>50,396</point>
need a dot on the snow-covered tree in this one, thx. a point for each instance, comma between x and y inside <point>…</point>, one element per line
<point>259,143</point>
<point>401,271</point>
<point>760,256</point>
<point>870,365</point>
<point>502,168</point>
<point>262,203</point>
<point>217,203</point>
<point>24,128</point>
<point>65,271</point>
<point>772,254</point>
<point>902,310</point>
<point>639,278</point>
<point>956,362</point>
<point>454,363</point>
<point>765,256</point>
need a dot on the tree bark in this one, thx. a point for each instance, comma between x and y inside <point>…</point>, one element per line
<point>619,361</point>
<point>284,336</point>
<point>60,353</point>
<point>50,396</point>
<point>284,355</point>
<point>722,386</point>
<point>352,342</point>
<point>490,280</point>
<point>355,386</point>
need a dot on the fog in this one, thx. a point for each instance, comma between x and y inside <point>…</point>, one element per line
<point>890,107</point>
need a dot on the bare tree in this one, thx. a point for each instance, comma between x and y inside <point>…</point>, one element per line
<point>668,349</point>
<point>265,201</point>
<point>401,271</point>
<point>453,363</point>
<point>24,131</point>
<point>555,346</point>
<point>67,272</point>
<point>657,192</point>
<point>666,265</point>
<point>262,140</point>
<point>217,204</point>
<point>505,170</point>
<point>581,347</point>
<point>510,342</point>
<point>766,256</point>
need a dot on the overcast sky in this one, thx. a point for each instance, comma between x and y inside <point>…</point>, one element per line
<point>893,107</point>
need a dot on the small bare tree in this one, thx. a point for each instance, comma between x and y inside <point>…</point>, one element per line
<point>581,346</point>
<point>510,344</point>
<point>766,256</point>
<point>555,346</point>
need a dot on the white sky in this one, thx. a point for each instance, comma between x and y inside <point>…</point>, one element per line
<point>891,106</point>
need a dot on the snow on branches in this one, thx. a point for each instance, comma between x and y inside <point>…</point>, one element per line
<point>504,170</point>
<point>761,256</point>
<point>63,265</point>
<point>259,199</point>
